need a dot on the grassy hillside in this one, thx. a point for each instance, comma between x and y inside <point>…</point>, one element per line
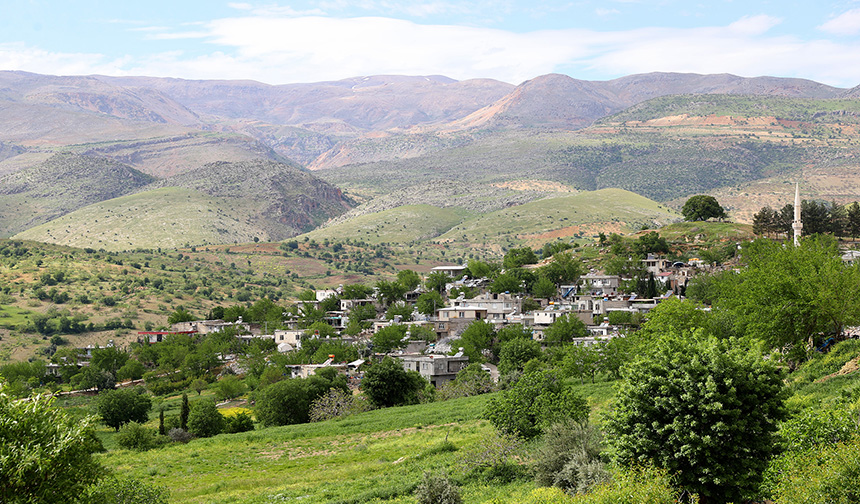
<point>792,109</point>
<point>167,218</point>
<point>568,217</point>
<point>218,203</point>
<point>62,184</point>
<point>403,224</point>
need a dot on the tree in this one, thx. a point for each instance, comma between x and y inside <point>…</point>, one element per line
<point>199,385</point>
<point>650,243</point>
<point>564,268</point>
<point>706,410</point>
<point>390,292</point>
<point>180,315</point>
<point>815,217</point>
<point>786,296</point>
<point>766,221</point>
<point>564,330</point>
<point>283,403</point>
<point>516,352</point>
<point>544,288</point>
<point>131,370</point>
<point>109,359</point>
<point>45,452</point>
<point>205,420</point>
<point>476,339</point>
<point>408,279</point>
<point>534,403</point>
<point>356,291</point>
<point>506,282</point>
<point>229,387</point>
<point>388,384</point>
<point>183,412</point>
<point>389,338</point>
<point>437,281</point>
<point>702,207</point>
<point>118,407</point>
<point>853,229</point>
<point>429,302</point>
<point>518,257</point>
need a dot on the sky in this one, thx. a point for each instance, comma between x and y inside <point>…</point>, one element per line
<point>282,42</point>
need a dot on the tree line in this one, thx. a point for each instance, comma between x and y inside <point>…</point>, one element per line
<point>817,218</point>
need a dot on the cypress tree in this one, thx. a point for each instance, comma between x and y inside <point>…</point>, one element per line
<point>183,413</point>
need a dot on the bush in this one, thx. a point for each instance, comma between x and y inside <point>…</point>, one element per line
<point>229,387</point>
<point>125,491</point>
<point>534,402</point>
<point>437,489</point>
<point>493,457</point>
<point>204,419</point>
<point>178,435</point>
<point>118,407</point>
<point>388,384</point>
<point>471,380</point>
<point>569,458</point>
<point>134,436</point>
<point>337,403</point>
<point>240,422</point>
<point>705,410</point>
<point>825,474</point>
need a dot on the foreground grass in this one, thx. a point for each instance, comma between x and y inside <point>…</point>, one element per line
<point>378,455</point>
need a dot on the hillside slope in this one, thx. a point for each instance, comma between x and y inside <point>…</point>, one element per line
<point>62,184</point>
<point>218,203</point>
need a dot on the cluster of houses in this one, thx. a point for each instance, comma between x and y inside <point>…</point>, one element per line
<point>590,299</point>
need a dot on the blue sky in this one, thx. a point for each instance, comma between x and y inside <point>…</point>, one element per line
<point>509,40</point>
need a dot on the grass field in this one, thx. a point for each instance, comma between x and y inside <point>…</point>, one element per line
<point>169,218</point>
<point>398,225</point>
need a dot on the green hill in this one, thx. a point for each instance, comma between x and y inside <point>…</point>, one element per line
<point>561,218</point>
<point>167,218</point>
<point>218,203</point>
<point>397,225</point>
<point>62,184</point>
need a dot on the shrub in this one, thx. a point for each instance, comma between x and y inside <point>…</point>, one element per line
<point>240,422</point>
<point>471,380</point>
<point>493,457</point>
<point>204,419</point>
<point>125,491</point>
<point>569,458</point>
<point>337,403</point>
<point>45,452</point>
<point>388,384</point>
<point>706,410</point>
<point>825,474</point>
<point>535,402</point>
<point>178,435</point>
<point>437,489</point>
<point>134,436</point>
<point>118,407</point>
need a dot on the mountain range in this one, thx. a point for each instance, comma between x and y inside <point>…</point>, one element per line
<point>70,142</point>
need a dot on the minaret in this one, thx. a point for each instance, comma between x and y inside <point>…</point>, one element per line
<point>797,225</point>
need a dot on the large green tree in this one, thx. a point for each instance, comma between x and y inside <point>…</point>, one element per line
<point>704,409</point>
<point>702,207</point>
<point>45,452</point>
<point>533,403</point>
<point>119,407</point>
<point>388,384</point>
<point>786,296</point>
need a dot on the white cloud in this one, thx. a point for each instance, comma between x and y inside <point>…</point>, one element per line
<point>606,12</point>
<point>847,23</point>
<point>299,48</point>
<point>754,25</point>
